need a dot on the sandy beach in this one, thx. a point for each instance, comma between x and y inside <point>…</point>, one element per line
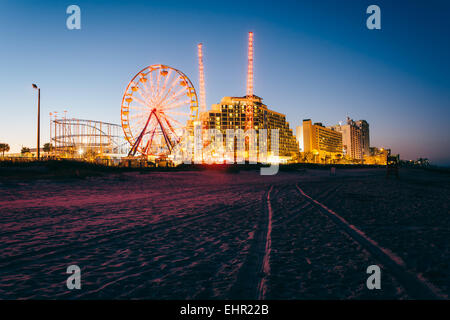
<point>217,235</point>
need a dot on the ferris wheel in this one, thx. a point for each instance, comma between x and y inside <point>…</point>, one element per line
<point>159,104</point>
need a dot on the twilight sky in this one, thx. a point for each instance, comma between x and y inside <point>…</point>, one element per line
<point>313,59</point>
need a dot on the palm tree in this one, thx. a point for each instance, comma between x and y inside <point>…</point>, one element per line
<point>309,156</point>
<point>25,150</point>
<point>4,147</point>
<point>47,147</point>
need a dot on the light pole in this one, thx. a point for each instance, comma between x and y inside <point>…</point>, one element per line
<point>38,119</point>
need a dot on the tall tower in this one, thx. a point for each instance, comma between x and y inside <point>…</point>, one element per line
<point>201,78</point>
<point>249,109</point>
<point>250,65</point>
<point>364,126</point>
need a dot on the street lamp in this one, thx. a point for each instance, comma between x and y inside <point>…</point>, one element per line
<point>38,119</point>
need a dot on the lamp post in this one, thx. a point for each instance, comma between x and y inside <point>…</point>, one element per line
<point>38,120</point>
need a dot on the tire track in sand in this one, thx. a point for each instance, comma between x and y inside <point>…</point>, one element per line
<point>415,285</point>
<point>265,267</point>
<point>252,279</point>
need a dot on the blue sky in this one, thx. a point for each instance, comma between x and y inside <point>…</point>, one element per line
<point>313,59</point>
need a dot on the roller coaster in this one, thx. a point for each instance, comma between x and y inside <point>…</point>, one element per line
<point>78,138</point>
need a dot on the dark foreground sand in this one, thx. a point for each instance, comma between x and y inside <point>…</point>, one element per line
<point>212,235</point>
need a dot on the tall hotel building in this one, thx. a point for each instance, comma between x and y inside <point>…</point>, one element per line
<point>246,113</point>
<point>321,141</point>
<point>232,113</point>
<point>365,140</point>
<point>351,139</point>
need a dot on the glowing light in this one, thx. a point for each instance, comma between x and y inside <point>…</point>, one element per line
<point>201,78</point>
<point>80,152</point>
<point>250,65</point>
<point>249,109</point>
<point>155,110</point>
<point>273,159</point>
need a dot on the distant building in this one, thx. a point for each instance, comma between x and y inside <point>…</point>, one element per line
<point>365,139</point>
<point>377,156</point>
<point>231,113</point>
<point>374,151</point>
<point>351,139</point>
<point>324,143</point>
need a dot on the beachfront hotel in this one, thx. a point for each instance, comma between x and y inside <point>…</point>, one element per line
<point>351,139</point>
<point>239,112</point>
<point>363,125</point>
<point>324,143</point>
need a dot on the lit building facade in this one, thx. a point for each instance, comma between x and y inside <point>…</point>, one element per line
<point>234,113</point>
<point>324,143</point>
<point>377,156</point>
<point>351,139</point>
<point>363,125</point>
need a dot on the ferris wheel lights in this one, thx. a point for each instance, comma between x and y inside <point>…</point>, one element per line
<point>152,118</point>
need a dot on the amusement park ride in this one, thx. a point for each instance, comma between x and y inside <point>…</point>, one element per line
<point>159,109</point>
<point>78,138</point>
<point>160,104</point>
<point>201,78</point>
<point>249,110</point>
